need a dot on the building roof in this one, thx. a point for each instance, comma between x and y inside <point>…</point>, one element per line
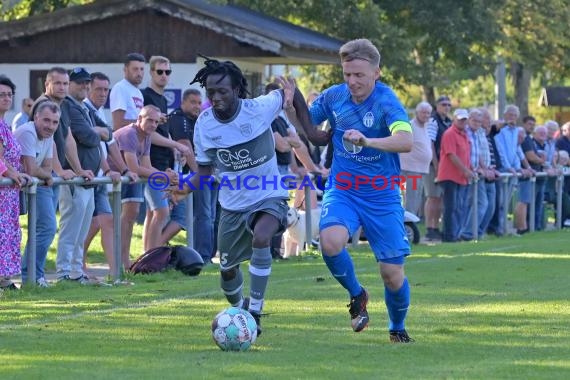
<point>555,96</point>
<point>286,43</point>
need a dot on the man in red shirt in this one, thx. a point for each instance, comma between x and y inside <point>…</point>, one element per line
<point>454,174</point>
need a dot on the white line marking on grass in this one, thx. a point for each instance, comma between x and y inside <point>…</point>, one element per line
<point>217,291</point>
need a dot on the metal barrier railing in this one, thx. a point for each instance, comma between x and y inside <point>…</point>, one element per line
<point>115,199</point>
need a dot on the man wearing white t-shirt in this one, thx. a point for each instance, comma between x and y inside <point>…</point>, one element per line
<point>36,139</point>
<point>415,164</point>
<point>126,99</point>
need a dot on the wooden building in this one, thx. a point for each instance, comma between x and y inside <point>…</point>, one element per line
<point>98,36</point>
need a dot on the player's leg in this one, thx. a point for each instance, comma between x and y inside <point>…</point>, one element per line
<point>387,237</point>
<point>338,220</point>
<point>234,241</point>
<point>266,219</point>
<point>397,298</point>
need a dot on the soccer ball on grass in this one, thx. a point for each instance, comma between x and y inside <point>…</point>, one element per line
<point>234,329</point>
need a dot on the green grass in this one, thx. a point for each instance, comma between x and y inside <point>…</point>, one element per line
<point>495,309</point>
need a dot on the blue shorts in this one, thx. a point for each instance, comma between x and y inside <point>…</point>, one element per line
<point>178,214</point>
<point>155,199</point>
<point>524,191</point>
<point>383,223</point>
<point>132,192</point>
<point>102,204</point>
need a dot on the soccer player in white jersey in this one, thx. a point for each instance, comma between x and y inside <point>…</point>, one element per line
<point>234,137</point>
<point>369,128</point>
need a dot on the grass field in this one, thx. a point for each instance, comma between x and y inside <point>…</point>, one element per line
<point>494,309</point>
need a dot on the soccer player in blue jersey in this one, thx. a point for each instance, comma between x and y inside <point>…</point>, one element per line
<point>369,127</point>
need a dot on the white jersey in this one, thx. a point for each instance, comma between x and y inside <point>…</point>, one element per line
<point>243,151</point>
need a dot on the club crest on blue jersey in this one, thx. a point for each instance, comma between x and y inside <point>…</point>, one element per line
<point>368,119</point>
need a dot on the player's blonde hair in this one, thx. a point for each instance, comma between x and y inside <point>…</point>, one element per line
<point>360,48</point>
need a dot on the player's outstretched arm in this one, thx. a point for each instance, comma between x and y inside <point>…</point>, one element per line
<point>399,142</point>
<point>299,117</point>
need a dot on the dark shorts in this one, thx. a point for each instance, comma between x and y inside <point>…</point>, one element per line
<point>235,230</point>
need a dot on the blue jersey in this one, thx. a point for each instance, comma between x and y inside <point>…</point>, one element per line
<point>362,171</point>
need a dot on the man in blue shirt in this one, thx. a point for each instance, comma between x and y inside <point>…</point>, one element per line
<point>369,127</point>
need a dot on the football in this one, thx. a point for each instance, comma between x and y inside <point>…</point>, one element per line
<point>234,329</point>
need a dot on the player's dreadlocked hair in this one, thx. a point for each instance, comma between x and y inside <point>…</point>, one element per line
<point>225,68</point>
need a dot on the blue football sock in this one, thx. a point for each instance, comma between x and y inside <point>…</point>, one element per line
<point>397,303</point>
<point>342,269</point>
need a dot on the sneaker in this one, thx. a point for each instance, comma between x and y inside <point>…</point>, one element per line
<point>42,283</point>
<point>256,316</point>
<point>83,279</point>
<point>65,277</point>
<point>358,312</point>
<point>400,337</point>
<point>10,286</point>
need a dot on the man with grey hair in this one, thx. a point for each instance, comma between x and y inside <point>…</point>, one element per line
<point>477,142</point>
<point>415,164</point>
<point>36,140</point>
<point>507,147</point>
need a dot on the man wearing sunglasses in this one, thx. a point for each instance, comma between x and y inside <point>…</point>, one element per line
<point>162,151</point>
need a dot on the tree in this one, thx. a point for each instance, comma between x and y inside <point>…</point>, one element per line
<point>13,10</point>
<point>536,41</point>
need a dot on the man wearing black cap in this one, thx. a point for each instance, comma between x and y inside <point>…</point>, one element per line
<point>76,202</point>
<point>438,124</point>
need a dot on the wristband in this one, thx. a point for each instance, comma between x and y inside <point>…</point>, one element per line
<point>125,171</point>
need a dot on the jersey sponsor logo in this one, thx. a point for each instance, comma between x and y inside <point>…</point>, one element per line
<point>350,147</point>
<point>368,119</point>
<point>229,158</point>
<point>216,138</point>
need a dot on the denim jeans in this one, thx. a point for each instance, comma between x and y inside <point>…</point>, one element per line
<point>205,201</point>
<point>491,190</point>
<point>479,210</point>
<point>454,196</point>
<point>46,227</point>
<point>502,205</point>
<point>539,204</point>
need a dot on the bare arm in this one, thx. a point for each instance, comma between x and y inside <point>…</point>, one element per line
<point>399,142</point>
<point>281,144</point>
<point>299,117</point>
<point>56,164</point>
<point>42,172</point>
<point>459,165</point>
<point>119,120</point>
<point>190,157</point>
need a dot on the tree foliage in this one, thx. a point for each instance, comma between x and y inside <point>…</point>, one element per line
<point>443,44</point>
<point>13,10</point>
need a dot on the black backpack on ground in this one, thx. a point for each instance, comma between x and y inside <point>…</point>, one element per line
<point>184,259</point>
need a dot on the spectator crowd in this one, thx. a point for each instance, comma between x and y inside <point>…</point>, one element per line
<point>65,133</point>
<point>461,155</point>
